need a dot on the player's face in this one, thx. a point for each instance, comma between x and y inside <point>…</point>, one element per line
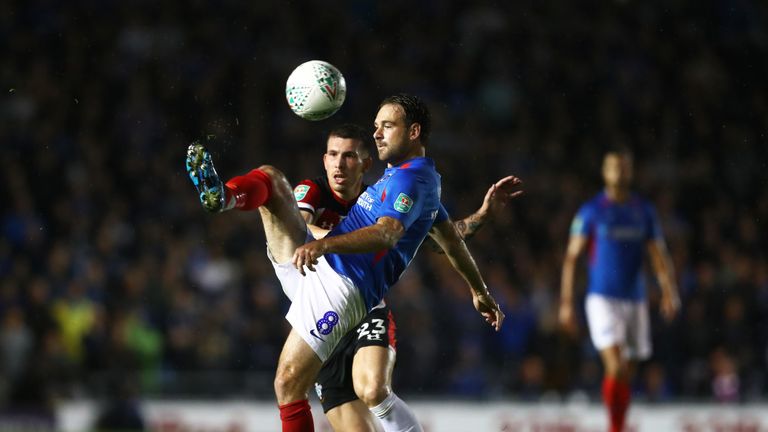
<point>344,166</point>
<point>392,135</point>
<point>617,170</point>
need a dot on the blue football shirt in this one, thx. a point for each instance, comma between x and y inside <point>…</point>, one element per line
<point>617,234</point>
<point>410,193</point>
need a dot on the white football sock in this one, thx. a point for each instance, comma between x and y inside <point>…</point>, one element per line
<point>396,416</point>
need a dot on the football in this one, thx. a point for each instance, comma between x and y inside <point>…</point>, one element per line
<point>315,90</point>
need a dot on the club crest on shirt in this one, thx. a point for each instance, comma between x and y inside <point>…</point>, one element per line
<point>300,192</point>
<point>403,203</point>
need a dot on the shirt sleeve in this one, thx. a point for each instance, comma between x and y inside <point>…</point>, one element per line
<point>654,226</point>
<point>404,197</point>
<point>308,195</point>
<point>582,222</point>
<point>442,214</point>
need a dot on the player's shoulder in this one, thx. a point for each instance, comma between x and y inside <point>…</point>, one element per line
<point>594,203</point>
<point>319,183</point>
<point>421,169</point>
<point>418,162</point>
<point>647,206</point>
<point>417,165</point>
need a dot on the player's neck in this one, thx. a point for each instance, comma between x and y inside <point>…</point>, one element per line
<point>617,193</point>
<point>416,152</point>
<point>350,193</point>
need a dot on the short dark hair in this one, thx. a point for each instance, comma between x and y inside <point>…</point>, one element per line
<point>416,111</point>
<point>355,132</point>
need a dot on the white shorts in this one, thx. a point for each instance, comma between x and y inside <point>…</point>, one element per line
<point>623,323</point>
<point>324,304</point>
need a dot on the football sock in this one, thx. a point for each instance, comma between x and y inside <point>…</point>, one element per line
<point>248,192</point>
<point>297,417</point>
<point>616,396</point>
<point>395,415</point>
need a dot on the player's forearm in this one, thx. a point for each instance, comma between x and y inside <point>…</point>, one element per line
<point>662,267</point>
<point>365,240</point>
<point>665,275</point>
<point>465,265</point>
<point>566,281</point>
<point>468,226</point>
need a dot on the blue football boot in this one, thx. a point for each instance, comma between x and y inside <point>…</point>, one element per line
<point>204,177</point>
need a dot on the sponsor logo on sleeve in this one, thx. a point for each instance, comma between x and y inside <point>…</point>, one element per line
<point>403,203</point>
<point>365,201</point>
<point>300,192</point>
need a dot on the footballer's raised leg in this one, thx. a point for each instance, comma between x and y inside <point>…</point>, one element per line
<point>267,190</point>
<point>264,188</point>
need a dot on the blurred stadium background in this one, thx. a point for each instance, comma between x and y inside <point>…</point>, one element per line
<point>116,288</point>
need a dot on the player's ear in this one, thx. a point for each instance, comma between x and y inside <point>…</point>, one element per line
<point>367,162</point>
<point>414,131</point>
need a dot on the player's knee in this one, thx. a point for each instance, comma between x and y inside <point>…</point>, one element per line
<point>617,370</point>
<point>278,181</point>
<point>288,385</point>
<point>373,392</point>
<point>273,173</point>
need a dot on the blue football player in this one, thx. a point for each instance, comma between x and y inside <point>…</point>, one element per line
<point>335,281</point>
<point>617,227</point>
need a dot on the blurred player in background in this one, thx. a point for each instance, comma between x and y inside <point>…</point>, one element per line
<point>618,227</point>
<point>358,375</point>
<point>356,263</point>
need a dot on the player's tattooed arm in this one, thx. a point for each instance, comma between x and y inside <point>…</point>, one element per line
<point>497,196</point>
<point>468,226</point>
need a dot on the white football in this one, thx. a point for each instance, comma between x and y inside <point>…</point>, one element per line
<point>315,90</point>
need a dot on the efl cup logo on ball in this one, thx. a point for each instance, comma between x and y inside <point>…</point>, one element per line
<point>315,90</point>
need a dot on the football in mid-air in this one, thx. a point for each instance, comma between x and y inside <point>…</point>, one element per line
<point>315,90</point>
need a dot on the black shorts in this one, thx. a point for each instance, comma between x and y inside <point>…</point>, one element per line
<point>334,382</point>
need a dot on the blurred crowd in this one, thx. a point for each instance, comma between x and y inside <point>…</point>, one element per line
<point>113,280</point>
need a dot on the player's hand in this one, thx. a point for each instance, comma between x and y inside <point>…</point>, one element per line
<point>670,305</point>
<point>307,254</point>
<point>488,308</point>
<point>567,318</point>
<point>499,194</point>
